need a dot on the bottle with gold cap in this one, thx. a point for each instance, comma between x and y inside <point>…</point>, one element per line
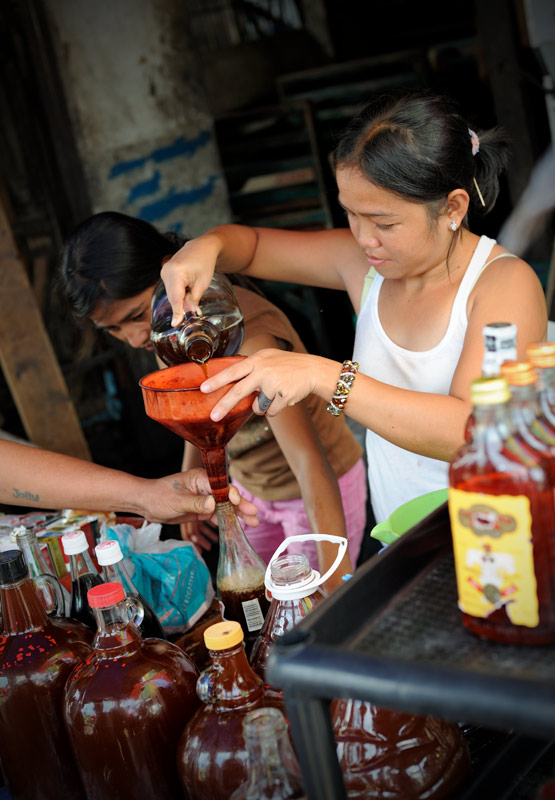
<point>542,357</point>
<point>212,756</point>
<point>525,411</point>
<point>501,505</point>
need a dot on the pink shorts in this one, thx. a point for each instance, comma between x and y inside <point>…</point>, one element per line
<point>284,518</point>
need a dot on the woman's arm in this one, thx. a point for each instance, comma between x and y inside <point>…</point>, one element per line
<point>428,424</point>
<point>42,479</point>
<point>329,258</point>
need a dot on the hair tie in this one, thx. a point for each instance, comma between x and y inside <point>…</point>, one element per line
<point>474,141</point>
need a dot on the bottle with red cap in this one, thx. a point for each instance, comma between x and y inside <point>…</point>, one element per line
<point>84,575</point>
<point>110,558</point>
<point>37,654</point>
<point>126,705</point>
<point>542,357</point>
<point>212,755</point>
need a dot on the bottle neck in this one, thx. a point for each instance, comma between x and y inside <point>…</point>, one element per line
<point>230,681</point>
<point>116,636</point>
<point>272,763</point>
<point>29,545</point>
<point>21,608</point>
<point>237,559</point>
<point>81,564</point>
<point>117,573</point>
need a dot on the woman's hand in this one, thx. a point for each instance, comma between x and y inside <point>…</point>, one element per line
<point>281,379</point>
<point>188,273</point>
<point>187,496</point>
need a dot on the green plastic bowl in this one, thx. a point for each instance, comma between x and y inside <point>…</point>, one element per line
<point>406,516</point>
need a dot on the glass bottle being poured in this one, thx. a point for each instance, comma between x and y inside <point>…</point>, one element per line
<point>214,333</point>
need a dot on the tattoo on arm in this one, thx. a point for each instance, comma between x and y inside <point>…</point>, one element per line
<point>26,495</point>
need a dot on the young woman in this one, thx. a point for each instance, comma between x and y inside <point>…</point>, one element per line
<point>302,470</point>
<point>410,173</point>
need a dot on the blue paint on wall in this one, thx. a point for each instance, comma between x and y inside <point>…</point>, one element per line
<point>144,188</point>
<point>165,205</point>
<point>181,147</point>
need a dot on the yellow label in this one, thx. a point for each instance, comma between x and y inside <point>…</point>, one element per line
<point>494,559</point>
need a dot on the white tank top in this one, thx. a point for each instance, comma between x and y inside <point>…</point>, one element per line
<point>396,475</point>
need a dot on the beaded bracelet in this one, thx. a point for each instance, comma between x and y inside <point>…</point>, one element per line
<point>344,385</point>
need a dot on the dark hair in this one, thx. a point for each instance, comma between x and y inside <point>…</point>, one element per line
<point>111,256</point>
<point>419,146</point>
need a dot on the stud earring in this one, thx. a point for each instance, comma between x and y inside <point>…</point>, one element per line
<point>453,225</point>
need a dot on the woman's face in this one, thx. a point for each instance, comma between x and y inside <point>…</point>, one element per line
<point>398,238</point>
<point>128,320</point>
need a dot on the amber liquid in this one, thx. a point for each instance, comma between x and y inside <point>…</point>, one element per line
<point>170,351</point>
<point>37,761</point>
<point>125,715</point>
<point>212,756</point>
<point>498,625</point>
<point>400,756</point>
<point>282,617</point>
<point>250,616</point>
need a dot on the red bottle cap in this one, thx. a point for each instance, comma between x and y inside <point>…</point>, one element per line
<point>105,594</point>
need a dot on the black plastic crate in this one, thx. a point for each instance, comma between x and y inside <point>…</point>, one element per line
<point>393,635</point>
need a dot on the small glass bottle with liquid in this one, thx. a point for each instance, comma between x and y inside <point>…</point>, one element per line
<point>84,575</point>
<point>214,333</point>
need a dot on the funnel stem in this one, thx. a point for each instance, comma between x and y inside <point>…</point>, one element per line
<point>215,464</point>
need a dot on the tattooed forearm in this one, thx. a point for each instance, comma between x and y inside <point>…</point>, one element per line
<point>26,495</point>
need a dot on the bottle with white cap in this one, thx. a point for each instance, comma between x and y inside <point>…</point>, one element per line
<point>110,558</point>
<point>84,576</point>
<point>295,589</point>
<point>499,346</point>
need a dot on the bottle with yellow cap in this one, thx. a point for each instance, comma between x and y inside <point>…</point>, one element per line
<point>501,505</point>
<point>212,756</point>
<point>542,357</point>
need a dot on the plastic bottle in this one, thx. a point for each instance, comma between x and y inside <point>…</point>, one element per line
<point>542,358</point>
<point>126,705</point>
<point>212,757</point>
<point>84,575</point>
<point>274,773</point>
<point>54,597</point>
<point>216,333</point>
<point>295,590</point>
<point>503,525</point>
<point>240,576</point>
<point>37,654</point>
<point>110,558</point>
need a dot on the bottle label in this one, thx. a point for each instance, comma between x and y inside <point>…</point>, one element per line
<point>494,559</point>
<point>253,614</point>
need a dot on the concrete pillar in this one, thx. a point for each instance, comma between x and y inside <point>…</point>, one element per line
<point>139,113</point>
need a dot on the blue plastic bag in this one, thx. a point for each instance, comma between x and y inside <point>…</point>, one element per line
<point>170,574</point>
